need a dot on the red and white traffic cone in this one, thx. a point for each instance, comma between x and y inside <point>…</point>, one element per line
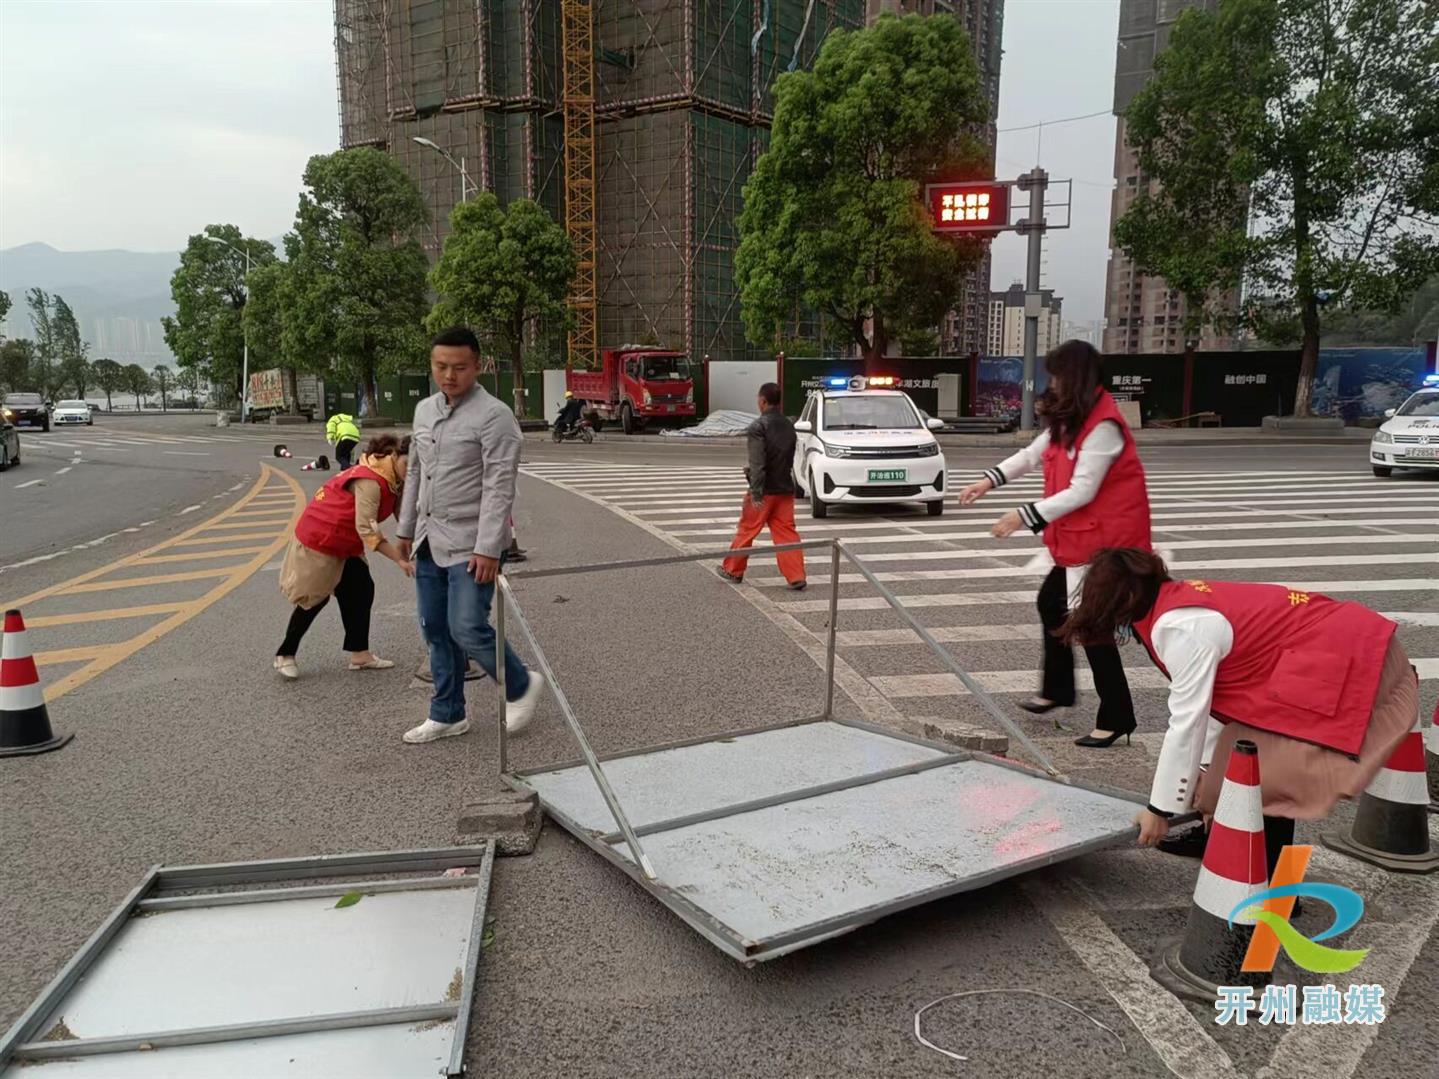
<point>282,450</point>
<point>309,467</point>
<point>1234,868</point>
<point>1391,828</point>
<point>1431,760</point>
<point>24,720</point>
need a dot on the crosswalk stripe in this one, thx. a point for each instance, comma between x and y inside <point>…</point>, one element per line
<point>982,599</point>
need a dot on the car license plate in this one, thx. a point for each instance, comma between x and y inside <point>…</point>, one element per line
<point>1428,453</point>
<point>887,475</point>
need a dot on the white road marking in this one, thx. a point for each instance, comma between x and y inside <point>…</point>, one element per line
<point>64,470</point>
<point>190,509</point>
<point>28,483</point>
<point>185,453</point>
<point>1413,618</point>
<point>1180,1041</point>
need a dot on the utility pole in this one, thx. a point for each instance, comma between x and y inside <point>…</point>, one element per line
<point>1036,181</point>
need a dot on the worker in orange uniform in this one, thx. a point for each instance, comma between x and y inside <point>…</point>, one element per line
<point>770,498</point>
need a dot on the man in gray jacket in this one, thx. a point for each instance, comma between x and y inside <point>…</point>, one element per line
<point>770,499</point>
<point>455,512</point>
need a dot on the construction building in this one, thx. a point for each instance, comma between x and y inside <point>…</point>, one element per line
<point>663,107</point>
<point>1143,314</point>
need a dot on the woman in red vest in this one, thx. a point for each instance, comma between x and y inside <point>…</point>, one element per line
<point>1094,497</point>
<point>1322,687</point>
<point>327,554</point>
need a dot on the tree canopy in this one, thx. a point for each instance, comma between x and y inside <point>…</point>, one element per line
<point>1294,146</point>
<point>833,219</point>
<point>503,269</point>
<point>109,376</point>
<point>354,298</point>
<point>210,292</point>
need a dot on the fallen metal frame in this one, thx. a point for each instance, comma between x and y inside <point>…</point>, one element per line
<point>155,892</point>
<point>639,867</point>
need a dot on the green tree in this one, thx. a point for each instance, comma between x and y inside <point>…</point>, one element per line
<point>188,380</point>
<point>43,371</point>
<point>163,378</point>
<point>210,292</point>
<point>137,381</point>
<point>4,312</point>
<point>833,216</point>
<point>355,290</point>
<point>109,376</point>
<point>503,269</point>
<point>1294,147</point>
<point>17,355</point>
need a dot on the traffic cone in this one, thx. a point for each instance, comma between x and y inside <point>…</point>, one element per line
<point>282,450</point>
<point>322,463</point>
<point>1391,829</point>
<point>1234,868</point>
<point>24,721</point>
<point>310,467</point>
<point>1431,760</point>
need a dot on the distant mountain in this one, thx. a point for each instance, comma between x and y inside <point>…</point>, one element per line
<point>119,297</point>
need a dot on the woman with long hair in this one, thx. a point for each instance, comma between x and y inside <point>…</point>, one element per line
<point>326,556</point>
<point>1321,686</point>
<point>1094,497</point>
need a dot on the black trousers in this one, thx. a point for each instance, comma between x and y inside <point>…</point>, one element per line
<point>1278,834</point>
<point>355,593</point>
<point>344,452</point>
<point>1116,708</point>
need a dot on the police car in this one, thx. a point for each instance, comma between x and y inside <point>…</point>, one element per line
<point>1409,436</point>
<point>860,440</point>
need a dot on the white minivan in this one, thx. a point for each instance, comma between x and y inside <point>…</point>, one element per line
<point>858,443</point>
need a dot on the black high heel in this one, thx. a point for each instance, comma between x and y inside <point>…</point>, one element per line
<point>1091,742</point>
<point>1033,705</point>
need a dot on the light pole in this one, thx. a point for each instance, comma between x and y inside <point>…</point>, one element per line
<point>460,164</point>
<point>244,330</point>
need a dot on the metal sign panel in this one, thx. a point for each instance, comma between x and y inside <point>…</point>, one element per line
<point>341,978</point>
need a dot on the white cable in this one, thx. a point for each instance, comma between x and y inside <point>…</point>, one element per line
<point>919,1036</point>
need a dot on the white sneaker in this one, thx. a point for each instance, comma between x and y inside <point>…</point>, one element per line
<point>286,666</point>
<point>520,711</point>
<point>429,730</point>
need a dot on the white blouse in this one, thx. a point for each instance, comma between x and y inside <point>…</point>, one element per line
<point>1190,642</point>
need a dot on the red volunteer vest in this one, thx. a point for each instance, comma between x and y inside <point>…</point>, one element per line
<point>1119,514</point>
<point>1303,665</point>
<point>328,523</point>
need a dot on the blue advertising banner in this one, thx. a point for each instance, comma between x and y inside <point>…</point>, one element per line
<point>1363,382</point>
<point>997,392</point>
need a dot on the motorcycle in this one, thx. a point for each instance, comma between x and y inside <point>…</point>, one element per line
<point>581,429</point>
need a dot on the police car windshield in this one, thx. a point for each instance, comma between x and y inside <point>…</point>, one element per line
<point>72,404</point>
<point>869,412</point>
<point>1421,404</point>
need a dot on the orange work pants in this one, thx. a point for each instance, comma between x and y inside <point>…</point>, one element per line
<point>776,511</point>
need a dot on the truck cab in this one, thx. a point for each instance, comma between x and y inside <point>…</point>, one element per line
<point>635,384</point>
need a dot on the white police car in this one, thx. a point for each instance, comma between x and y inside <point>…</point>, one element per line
<point>1409,436</point>
<point>861,441</point>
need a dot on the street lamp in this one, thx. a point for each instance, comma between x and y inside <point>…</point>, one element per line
<point>244,329</point>
<point>460,164</point>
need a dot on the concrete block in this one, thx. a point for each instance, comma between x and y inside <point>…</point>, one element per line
<point>511,819</point>
<point>1308,425</point>
<point>956,733</point>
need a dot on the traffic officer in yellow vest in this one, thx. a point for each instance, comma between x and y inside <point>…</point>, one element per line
<point>343,433</point>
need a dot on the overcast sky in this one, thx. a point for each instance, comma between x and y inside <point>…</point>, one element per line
<point>132,123</point>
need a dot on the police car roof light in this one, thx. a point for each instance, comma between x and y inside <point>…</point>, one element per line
<point>1431,380</point>
<point>838,382</point>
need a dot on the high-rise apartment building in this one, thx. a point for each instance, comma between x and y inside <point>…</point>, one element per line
<point>1006,322</point>
<point>1142,313</point>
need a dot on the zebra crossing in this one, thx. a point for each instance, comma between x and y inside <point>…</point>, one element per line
<point>1340,532</point>
<point>92,438</point>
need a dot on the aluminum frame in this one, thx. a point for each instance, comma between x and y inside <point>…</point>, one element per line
<point>157,892</point>
<point>639,868</point>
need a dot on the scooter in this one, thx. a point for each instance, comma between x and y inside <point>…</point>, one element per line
<point>581,429</point>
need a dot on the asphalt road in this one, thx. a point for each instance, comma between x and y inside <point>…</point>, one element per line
<point>188,749</point>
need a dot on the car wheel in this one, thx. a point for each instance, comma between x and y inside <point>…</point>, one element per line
<point>45,427</point>
<point>799,488</point>
<point>89,423</point>
<point>627,419</point>
<point>818,509</point>
<point>935,508</point>
<point>1383,473</point>
<point>4,458</point>
<point>587,435</point>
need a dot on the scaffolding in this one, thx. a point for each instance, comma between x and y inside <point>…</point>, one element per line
<point>680,99</point>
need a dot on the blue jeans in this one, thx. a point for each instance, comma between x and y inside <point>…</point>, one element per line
<point>455,621</point>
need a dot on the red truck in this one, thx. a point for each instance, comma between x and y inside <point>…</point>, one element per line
<point>635,383</point>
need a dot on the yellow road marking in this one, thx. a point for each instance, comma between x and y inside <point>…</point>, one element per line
<point>70,655</point>
<point>236,576</point>
<point>136,582</point>
<point>41,621</point>
<point>196,556</point>
<point>231,538</point>
<point>242,524</point>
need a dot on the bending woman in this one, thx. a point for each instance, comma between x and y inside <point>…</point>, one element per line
<point>326,556</point>
<point>1094,497</point>
<point>1322,687</point>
